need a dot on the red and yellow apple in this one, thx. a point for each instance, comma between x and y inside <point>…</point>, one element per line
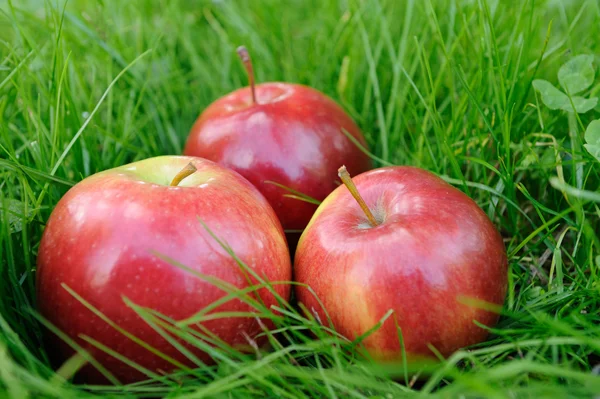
<point>118,233</point>
<point>284,133</point>
<point>419,247</point>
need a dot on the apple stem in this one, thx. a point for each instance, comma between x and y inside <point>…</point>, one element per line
<point>347,180</point>
<point>245,57</point>
<point>183,173</point>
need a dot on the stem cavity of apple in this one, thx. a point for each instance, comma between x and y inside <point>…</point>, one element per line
<point>347,180</point>
<point>247,61</point>
<point>183,173</point>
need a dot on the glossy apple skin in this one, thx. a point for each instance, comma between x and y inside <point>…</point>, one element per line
<point>434,249</point>
<point>103,238</point>
<point>292,136</point>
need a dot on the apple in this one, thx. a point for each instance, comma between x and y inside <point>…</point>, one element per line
<point>119,233</point>
<point>282,133</point>
<point>412,244</point>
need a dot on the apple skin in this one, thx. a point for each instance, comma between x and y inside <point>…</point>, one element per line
<point>292,136</point>
<point>434,248</point>
<point>102,239</point>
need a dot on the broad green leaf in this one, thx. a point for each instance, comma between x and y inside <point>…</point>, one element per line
<point>577,74</point>
<point>582,105</point>
<point>592,138</point>
<point>594,150</point>
<point>556,99</point>
<point>551,96</point>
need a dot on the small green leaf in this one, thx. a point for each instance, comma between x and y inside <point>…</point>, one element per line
<point>14,212</point>
<point>548,158</point>
<point>592,133</point>
<point>556,99</point>
<point>577,74</point>
<point>592,138</point>
<point>529,159</point>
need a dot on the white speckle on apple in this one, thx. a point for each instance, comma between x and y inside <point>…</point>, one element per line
<point>190,287</point>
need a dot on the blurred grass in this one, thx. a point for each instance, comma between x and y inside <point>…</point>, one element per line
<point>444,85</point>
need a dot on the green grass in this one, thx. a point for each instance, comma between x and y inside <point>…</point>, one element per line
<point>444,85</point>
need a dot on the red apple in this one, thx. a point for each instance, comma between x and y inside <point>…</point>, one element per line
<point>104,238</point>
<point>285,133</point>
<point>421,248</point>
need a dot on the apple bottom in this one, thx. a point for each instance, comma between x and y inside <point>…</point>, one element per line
<point>385,344</point>
<point>447,325</point>
<point>240,334</point>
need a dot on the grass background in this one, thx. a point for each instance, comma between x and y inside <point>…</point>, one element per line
<point>444,85</point>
